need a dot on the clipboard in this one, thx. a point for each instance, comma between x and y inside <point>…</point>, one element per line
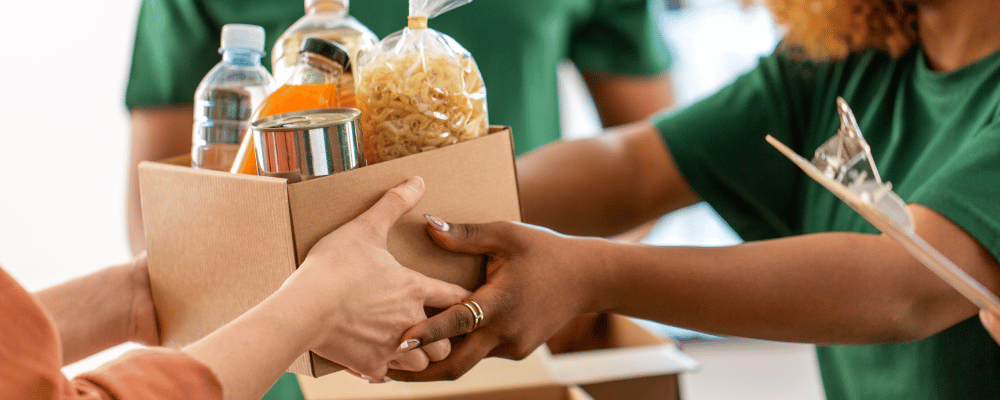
<point>844,165</point>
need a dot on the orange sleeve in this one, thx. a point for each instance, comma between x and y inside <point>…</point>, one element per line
<point>31,362</point>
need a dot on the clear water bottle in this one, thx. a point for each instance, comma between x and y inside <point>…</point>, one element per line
<point>226,98</point>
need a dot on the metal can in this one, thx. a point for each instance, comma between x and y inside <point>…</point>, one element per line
<point>307,144</point>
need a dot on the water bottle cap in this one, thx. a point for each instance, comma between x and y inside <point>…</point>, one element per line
<point>243,36</point>
<point>326,48</point>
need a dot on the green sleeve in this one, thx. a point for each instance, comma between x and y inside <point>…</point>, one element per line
<point>964,188</point>
<point>176,43</point>
<point>719,145</point>
<point>621,38</point>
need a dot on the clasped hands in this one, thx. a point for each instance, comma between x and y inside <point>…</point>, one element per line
<point>377,327</point>
<point>366,312</point>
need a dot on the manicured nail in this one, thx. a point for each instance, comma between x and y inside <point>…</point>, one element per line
<point>985,316</point>
<point>415,183</point>
<point>409,344</point>
<point>437,223</point>
<point>365,377</point>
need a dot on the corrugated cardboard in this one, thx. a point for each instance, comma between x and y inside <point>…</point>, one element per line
<point>609,356</point>
<point>220,243</point>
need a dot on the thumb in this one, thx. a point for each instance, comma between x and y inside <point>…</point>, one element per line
<point>466,238</point>
<point>393,204</point>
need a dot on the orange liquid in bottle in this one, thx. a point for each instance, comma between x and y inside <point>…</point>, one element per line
<point>288,98</point>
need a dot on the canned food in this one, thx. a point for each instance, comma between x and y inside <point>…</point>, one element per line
<point>307,144</point>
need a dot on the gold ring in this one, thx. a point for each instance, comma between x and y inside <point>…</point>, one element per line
<point>477,312</point>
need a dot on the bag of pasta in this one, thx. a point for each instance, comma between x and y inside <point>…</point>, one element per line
<point>418,89</point>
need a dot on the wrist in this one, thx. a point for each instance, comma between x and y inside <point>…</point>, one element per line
<point>298,308</point>
<point>601,274</point>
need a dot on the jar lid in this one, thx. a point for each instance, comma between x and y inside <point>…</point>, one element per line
<point>326,48</point>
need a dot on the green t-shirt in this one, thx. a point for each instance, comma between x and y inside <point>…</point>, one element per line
<point>517,45</point>
<point>935,136</point>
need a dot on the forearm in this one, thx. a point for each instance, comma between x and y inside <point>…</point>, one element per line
<point>842,288</point>
<point>93,312</point>
<point>623,99</point>
<point>601,186</point>
<point>249,354</point>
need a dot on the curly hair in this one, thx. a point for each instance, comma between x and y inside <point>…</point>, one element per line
<point>831,29</point>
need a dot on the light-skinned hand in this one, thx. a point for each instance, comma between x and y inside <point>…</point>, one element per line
<point>370,299</point>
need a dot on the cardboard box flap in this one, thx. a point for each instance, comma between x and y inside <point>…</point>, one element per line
<point>321,205</point>
<point>192,239</point>
<point>616,364</point>
<point>350,193</point>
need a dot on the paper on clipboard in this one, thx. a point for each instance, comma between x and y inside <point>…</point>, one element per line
<point>844,166</point>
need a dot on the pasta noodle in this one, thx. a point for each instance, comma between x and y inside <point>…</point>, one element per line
<point>418,102</point>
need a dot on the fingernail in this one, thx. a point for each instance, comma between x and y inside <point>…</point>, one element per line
<point>985,316</point>
<point>415,183</point>
<point>437,223</point>
<point>365,377</point>
<point>409,344</point>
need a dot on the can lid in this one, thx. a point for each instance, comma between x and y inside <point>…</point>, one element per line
<point>307,119</point>
<point>326,48</point>
<point>243,36</point>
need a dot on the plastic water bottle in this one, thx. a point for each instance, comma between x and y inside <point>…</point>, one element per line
<point>226,98</point>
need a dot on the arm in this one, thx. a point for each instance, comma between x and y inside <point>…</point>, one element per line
<point>245,357</point>
<point>842,288</point>
<point>622,99</point>
<point>103,309</point>
<point>157,133</point>
<point>604,185</point>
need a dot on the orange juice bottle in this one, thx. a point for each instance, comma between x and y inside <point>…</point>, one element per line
<point>314,83</point>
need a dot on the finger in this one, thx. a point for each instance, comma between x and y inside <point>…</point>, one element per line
<point>466,355</point>
<point>415,360</point>
<point>438,350</point>
<point>440,294</point>
<point>467,238</point>
<point>377,375</point>
<point>456,320</point>
<point>393,204</point>
<point>991,322</point>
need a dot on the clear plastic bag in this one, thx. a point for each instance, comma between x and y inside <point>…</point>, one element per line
<point>418,89</point>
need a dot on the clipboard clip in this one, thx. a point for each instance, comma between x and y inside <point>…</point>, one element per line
<point>847,159</point>
<point>844,165</point>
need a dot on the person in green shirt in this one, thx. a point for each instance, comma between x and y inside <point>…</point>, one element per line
<point>923,78</point>
<point>517,45</point>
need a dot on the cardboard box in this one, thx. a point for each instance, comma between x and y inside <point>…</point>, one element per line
<point>608,356</point>
<point>220,243</point>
